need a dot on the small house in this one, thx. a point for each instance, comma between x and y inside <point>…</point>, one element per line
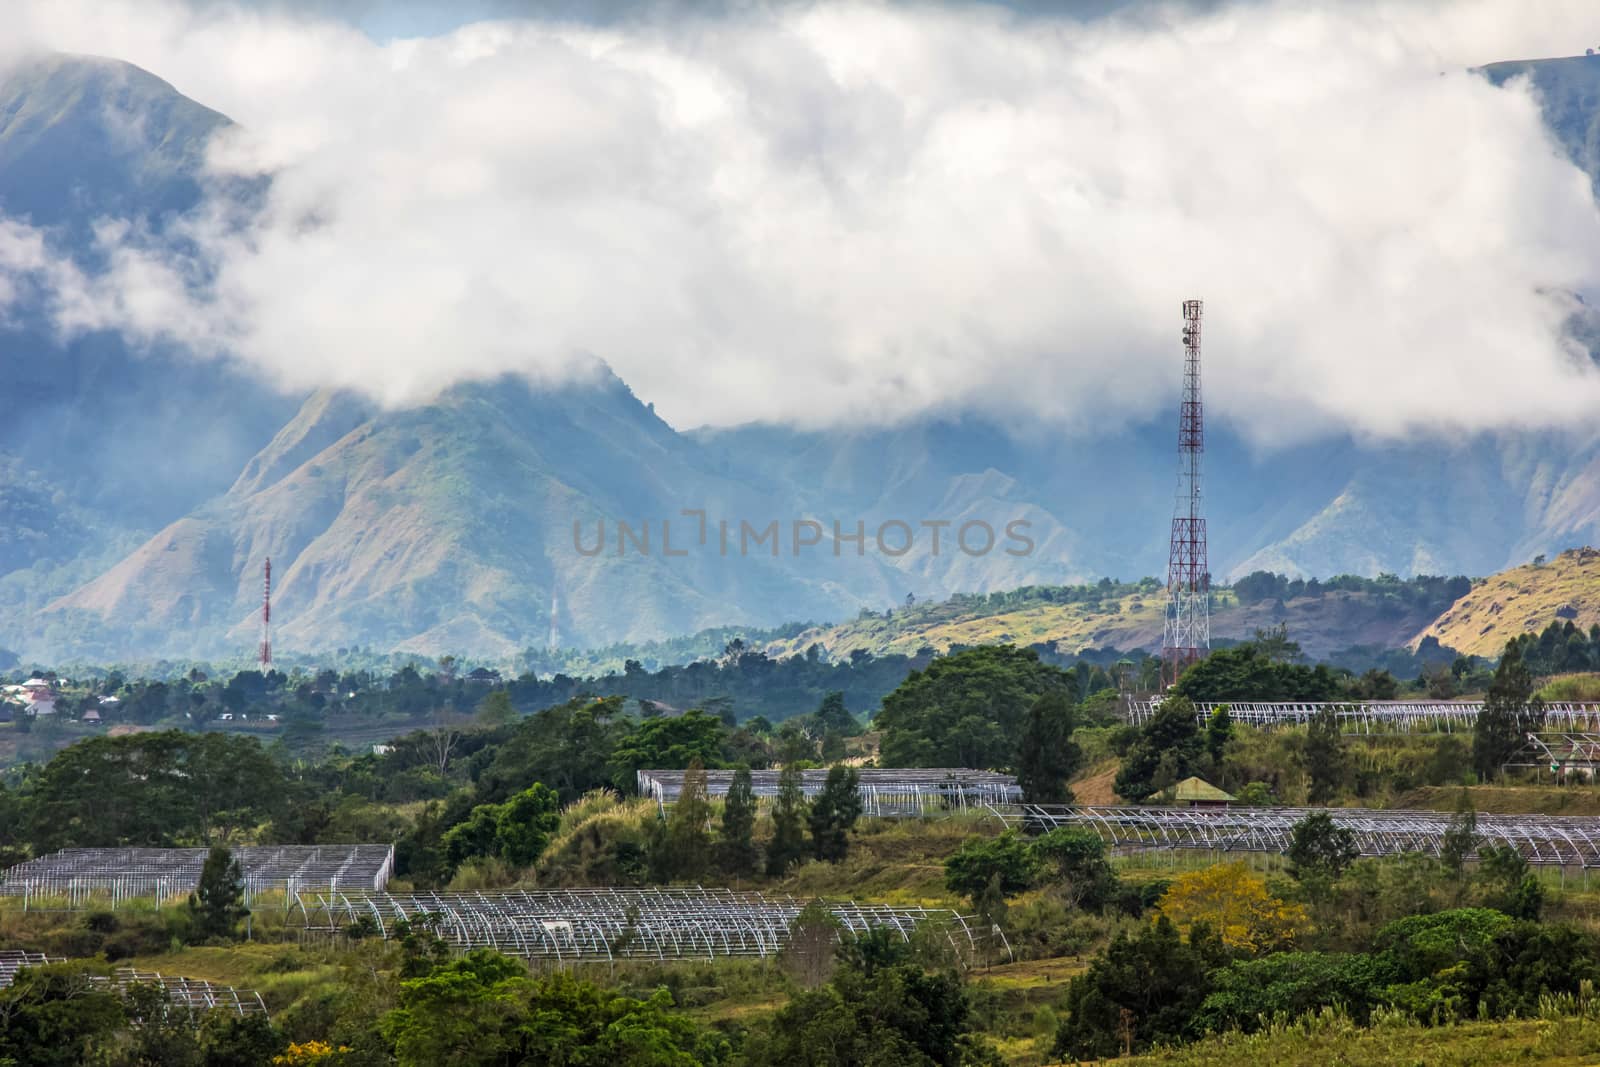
<point>1192,792</point>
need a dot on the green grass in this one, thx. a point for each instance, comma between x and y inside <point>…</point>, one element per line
<point>1333,1041</point>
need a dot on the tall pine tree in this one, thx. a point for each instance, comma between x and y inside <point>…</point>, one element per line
<point>736,849</point>
<point>788,823</point>
<point>834,813</point>
<point>1509,714</point>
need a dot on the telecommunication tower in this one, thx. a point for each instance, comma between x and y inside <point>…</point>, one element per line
<point>266,617</point>
<point>1186,637</point>
<point>554,641</point>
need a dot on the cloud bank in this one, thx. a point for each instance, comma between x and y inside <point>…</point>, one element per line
<point>839,212</point>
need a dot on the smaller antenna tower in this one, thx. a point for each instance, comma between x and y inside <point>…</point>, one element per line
<point>266,617</point>
<point>555,622</point>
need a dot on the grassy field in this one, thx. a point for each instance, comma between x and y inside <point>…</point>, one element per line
<point>1333,1041</point>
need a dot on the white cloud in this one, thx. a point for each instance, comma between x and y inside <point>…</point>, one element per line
<point>858,211</point>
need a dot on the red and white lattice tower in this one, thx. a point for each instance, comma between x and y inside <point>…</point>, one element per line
<point>1187,634</point>
<point>266,617</point>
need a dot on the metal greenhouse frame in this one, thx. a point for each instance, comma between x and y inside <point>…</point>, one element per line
<point>1374,716</point>
<point>886,792</point>
<point>1543,839</point>
<point>606,925</point>
<point>193,993</point>
<point>84,876</point>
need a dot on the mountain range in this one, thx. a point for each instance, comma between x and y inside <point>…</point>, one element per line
<point>142,488</point>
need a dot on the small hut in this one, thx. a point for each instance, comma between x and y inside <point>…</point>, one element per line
<point>1192,792</point>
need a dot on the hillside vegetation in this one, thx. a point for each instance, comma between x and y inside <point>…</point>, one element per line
<point>1324,618</point>
<point>1522,600</point>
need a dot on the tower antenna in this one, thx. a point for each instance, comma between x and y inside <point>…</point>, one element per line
<point>266,617</point>
<point>554,641</point>
<point>1186,636</point>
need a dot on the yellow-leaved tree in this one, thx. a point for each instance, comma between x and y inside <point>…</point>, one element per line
<point>1236,905</point>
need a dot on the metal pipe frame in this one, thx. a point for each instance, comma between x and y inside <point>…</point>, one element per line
<point>1568,841</point>
<point>1387,716</point>
<point>606,925</point>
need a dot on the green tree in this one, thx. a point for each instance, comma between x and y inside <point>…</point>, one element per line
<point>688,838</point>
<point>1324,756</point>
<point>835,718</point>
<point>1172,735</point>
<point>484,1010</point>
<point>1510,712</point>
<point>879,1009</point>
<point>1250,672</point>
<point>788,844</point>
<point>1219,731</point>
<point>515,832</point>
<point>1144,989</point>
<point>217,903</point>
<point>1320,847</point>
<point>567,747</point>
<point>58,1015</point>
<point>1047,757</point>
<point>1075,860</point>
<point>969,869</point>
<point>736,846</point>
<point>966,709</point>
<point>834,813</point>
<point>667,743</point>
<point>496,710</point>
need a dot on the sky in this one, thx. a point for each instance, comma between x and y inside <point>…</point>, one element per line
<point>850,212</point>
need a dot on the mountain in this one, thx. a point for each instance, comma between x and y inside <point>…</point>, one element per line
<point>105,442</point>
<point>143,488</point>
<point>1522,600</point>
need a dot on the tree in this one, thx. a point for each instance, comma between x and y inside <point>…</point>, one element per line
<point>496,709</point>
<point>1459,841</point>
<point>1274,644</point>
<point>813,938</point>
<point>441,737</point>
<point>1510,712</point>
<point>1046,754</point>
<point>879,1008</point>
<point>736,846</point>
<point>1076,861</point>
<point>55,1016</point>
<point>1171,735</point>
<point>1234,903</point>
<point>1320,847</point>
<point>835,718</point>
<point>484,1010</point>
<point>1250,672</point>
<point>666,743</point>
<point>515,832</point>
<point>568,747</point>
<point>788,823</point>
<point>1144,989</point>
<point>217,904</point>
<point>970,868</point>
<point>1219,731</point>
<point>1324,756</point>
<point>688,838</point>
<point>834,813</point>
<point>965,709</point>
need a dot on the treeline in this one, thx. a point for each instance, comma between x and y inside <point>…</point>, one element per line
<point>1425,591</point>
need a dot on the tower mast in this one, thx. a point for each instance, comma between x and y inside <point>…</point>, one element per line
<point>1186,636</point>
<point>266,617</point>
